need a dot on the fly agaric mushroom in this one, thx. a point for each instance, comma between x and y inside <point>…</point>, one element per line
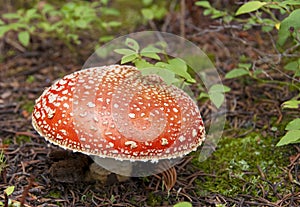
<point>115,112</point>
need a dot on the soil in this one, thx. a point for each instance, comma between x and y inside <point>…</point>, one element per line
<point>39,172</point>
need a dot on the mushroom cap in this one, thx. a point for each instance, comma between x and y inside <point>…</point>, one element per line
<point>116,112</point>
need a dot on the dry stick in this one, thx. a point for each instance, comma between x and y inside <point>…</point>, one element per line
<point>169,16</point>
<point>182,20</point>
<point>5,200</point>
<point>26,190</point>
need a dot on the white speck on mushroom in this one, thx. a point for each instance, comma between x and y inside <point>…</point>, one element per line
<point>58,136</point>
<point>132,144</point>
<point>80,80</point>
<point>93,128</point>
<point>65,92</point>
<point>131,115</point>
<point>38,115</point>
<point>50,112</point>
<point>91,82</point>
<point>82,139</point>
<point>108,133</point>
<point>194,133</point>
<point>83,114</point>
<point>91,104</point>
<point>116,105</point>
<point>181,138</point>
<point>175,110</point>
<point>52,97</point>
<point>66,105</point>
<point>164,141</point>
<point>63,131</point>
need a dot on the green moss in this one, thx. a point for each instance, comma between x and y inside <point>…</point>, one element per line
<point>245,166</point>
<point>154,200</point>
<point>54,194</point>
<point>30,79</point>
<point>21,139</point>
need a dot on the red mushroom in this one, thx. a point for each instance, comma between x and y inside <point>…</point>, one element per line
<point>115,112</point>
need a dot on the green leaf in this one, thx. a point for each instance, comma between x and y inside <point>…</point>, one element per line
<point>141,63</point>
<point>150,55</point>
<point>203,95</point>
<point>151,48</point>
<point>293,125</point>
<point>217,99</point>
<point>11,16</point>
<point>183,204</point>
<point>4,29</point>
<point>125,51</point>
<point>109,11</point>
<point>290,137</point>
<point>291,2</point>
<point>238,72</point>
<point>291,104</point>
<point>9,190</point>
<point>167,75</point>
<point>47,8</point>
<point>80,23</point>
<point>1,22</point>
<point>219,88</point>
<point>147,14</point>
<point>204,4</point>
<point>250,7</point>
<point>292,21</point>
<point>179,67</point>
<point>131,43</point>
<point>128,58</point>
<point>114,24</point>
<point>293,66</point>
<point>147,2</point>
<point>31,13</point>
<point>106,38</point>
<point>216,94</point>
<point>24,38</point>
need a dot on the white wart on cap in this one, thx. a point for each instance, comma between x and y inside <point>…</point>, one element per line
<point>115,112</point>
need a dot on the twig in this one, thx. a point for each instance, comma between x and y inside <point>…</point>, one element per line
<point>5,199</point>
<point>26,190</point>
<point>15,44</point>
<point>182,18</point>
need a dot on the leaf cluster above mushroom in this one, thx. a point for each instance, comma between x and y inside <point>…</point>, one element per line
<point>116,112</point>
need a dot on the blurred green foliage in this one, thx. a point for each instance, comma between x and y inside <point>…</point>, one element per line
<point>277,16</point>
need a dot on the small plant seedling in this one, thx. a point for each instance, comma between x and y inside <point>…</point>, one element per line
<point>7,202</point>
<point>149,60</point>
<point>2,161</point>
<point>9,190</point>
<point>216,93</point>
<point>153,59</point>
<point>293,133</point>
<point>67,23</point>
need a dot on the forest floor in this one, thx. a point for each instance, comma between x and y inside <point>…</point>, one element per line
<point>247,169</point>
